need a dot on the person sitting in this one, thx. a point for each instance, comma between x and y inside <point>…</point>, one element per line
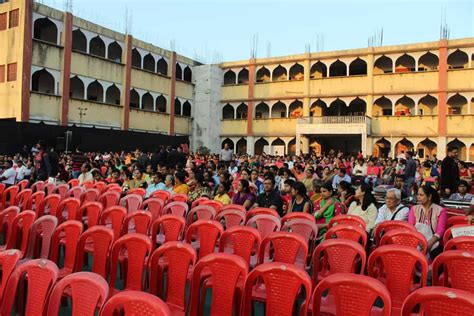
<point>340,176</point>
<point>137,181</point>
<point>462,194</point>
<point>85,175</point>
<point>270,198</point>
<point>201,189</point>
<point>400,184</point>
<point>300,201</point>
<point>346,194</point>
<point>327,206</point>
<point>286,194</point>
<point>308,179</point>
<point>392,209</point>
<point>316,192</point>
<point>364,206</point>
<point>243,196</point>
<point>180,186</point>
<point>9,175</point>
<point>360,169</point>
<point>222,194</point>
<point>256,181</point>
<point>156,184</point>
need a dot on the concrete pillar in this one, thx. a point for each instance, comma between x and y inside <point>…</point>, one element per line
<point>441,147</point>
<point>307,92</point>
<point>370,83</point>
<point>250,145</point>
<point>416,108</point>
<point>364,144</point>
<point>392,149</point>
<point>370,146</point>
<point>104,94</point>
<point>288,73</point>
<point>305,144</point>
<point>298,144</point>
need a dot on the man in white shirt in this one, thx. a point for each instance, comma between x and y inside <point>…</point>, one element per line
<point>9,175</point>
<point>226,154</point>
<point>86,174</point>
<point>392,209</point>
<point>24,170</point>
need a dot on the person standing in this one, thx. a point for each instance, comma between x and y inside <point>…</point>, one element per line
<point>410,170</point>
<point>449,172</point>
<point>226,154</point>
<point>9,175</point>
<point>78,159</point>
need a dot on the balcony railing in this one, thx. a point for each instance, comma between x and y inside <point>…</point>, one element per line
<point>333,120</point>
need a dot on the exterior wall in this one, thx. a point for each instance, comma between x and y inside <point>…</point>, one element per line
<point>97,114</point>
<point>44,107</point>
<point>148,121</point>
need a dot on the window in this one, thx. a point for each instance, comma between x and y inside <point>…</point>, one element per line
<point>11,75</point>
<point>14,18</point>
<point>2,73</point>
<point>3,21</point>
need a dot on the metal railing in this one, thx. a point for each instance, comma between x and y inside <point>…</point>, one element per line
<point>333,120</point>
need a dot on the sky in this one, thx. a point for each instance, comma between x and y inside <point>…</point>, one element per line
<point>213,31</point>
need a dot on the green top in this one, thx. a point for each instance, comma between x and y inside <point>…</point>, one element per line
<point>328,213</point>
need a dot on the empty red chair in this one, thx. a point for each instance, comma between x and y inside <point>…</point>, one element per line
<point>460,243</point>
<point>304,227</point>
<point>41,275</point>
<point>397,267</point>
<point>297,215</point>
<point>62,190</point>
<point>89,213</point>
<point>88,184</point>
<point>404,237</point>
<point>179,198</point>
<point>66,236</point>
<point>199,201</point>
<point>137,191</point>
<point>49,205</point>
<point>7,216</point>
<point>448,234</point>
<point>265,224</point>
<point>35,201</point>
<point>109,199</point>
<point>387,226</point>
<point>96,241</point>
<point>200,212</point>
<point>338,256</point>
<point>131,202</point>
<point>41,234</point>
<point>100,185</point>
<point>23,184</point>
<point>347,219</point>
<point>226,272</point>
<point>135,303</point>
<point>347,231</point>
<point>233,207</point>
<point>216,205</point>
<point>21,231</point>
<point>75,192</point>
<point>350,294</point>
<point>281,284</point>
<point>137,247</point>
<point>454,269</point>
<point>113,187</point>
<point>2,187</point>
<point>162,195</point>
<point>154,206</point>
<point>176,208</point>
<point>49,188</point>
<point>8,261</point>
<point>167,228</point>
<point>68,210</point>
<point>21,200</point>
<point>231,218</point>
<point>457,220</point>
<point>439,301</point>
<point>177,259</point>
<point>113,217</point>
<point>8,196</point>
<point>73,183</point>
<point>37,186</point>
<point>284,247</point>
<point>262,211</point>
<point>87,291</point>
<point>137,222</point>
<point>89,195</point>
<point>204,235</point>
<point>241,241</point>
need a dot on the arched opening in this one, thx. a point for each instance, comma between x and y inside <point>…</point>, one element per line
<point>136,58</point>
<point>278,147</point>
<point>383,65</point>
<point>112,95</point>
<point>358,67</point>
<point>291,150</point>
<point>228,112</point>
<point>241,112</point>
<point>188,74</point>
<point>115,52</point>
<point>337,69</point>
<point>148,102</point>
<point>262,110</point>
<point>187,109</point>
<point>42,81</point>
<point>382,148</point>
<point>428,61</point>
<point>229,77</point>
<point>149,62</point>
<point>318,70</point>
<point>297,72</point>
<point>456,104</point>
<point>404,106</point>
<point>405,63</point>
<point>382,107</point>
<point>427,105</point>
<point>162,67</point>
<point>229,142</point>
<point>458,60</point>
<point>76,88</point>
<point>242,146</point>
<point>426,149</point>
<point>160,104</point>
<point>317,108</point>
<point>403,146</point>
<point>97,47</point>
<point>177,107</point>
<point>263,75</point>
<point>357,107</point>
<point>79,41</point>
<point>134,99</point>
<point>45,30</point>
<point>460,146</point>
<point>279,73</point>
<point>179,72</point>
<point>243,77</point>
<point>336,108</point>
<point>279,110</point>
<point>296,109</point>
<point>260,146</point>
<point>95,92</point>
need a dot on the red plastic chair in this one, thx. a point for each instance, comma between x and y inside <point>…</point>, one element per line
<point>87,291</point>
<point>177,259</point>
<point>347,231</point>
<point>137,191</point>
<point>2,187</point>
<point>216,205</point>
<point>20,231</point>
<point>284,247</point>
<point>89,195</point>
<point>167,228</point>
<point>203,236</point>
<point>226,272</point>
<point>176,208</point>
<point>460,243</point>
<point>200,212</point>
<point>49,205</point>
<point>303,227</point>
<point>21,200</point>
<point>347,219</point>
<point>73,183</point>
<point>350,294</point>
<point>49,188</point>
<point>199,201</point>
<point>7,216</point>
<point>68,210</point>
<point>110,186</point>
<point>96,241</point>
<point>41,275</point>
<point>154,206</point>
<point>23,184</point>
<point>75,192</point>
<point>231,217</point>
<point>115,188</point>
<point>35,201</point>
<point>241,241</point>
<point>261,211</point>
<point>387,226</point>
<point>457,220</point>
<point>67,236</point>
<point>8,261</point>
<point>297,215</point>
<point>37,186</point>
<point>396,266</point>
<point>88,184</point>
<point>265,224</point>
<point>135,303</point>
<point>439,301</point>
<point>137,222</point>
<point>8,196</point>
<point>135,248</point>
<point>62,190</point>
<point>404,237</point>
<point>100,185</point>
<point>113,217</point>
<point>89,213</point>
<point>162,195</point>
<point>448,233</point>
<point>338,256</point>
<point>40,238</point>
<point>233,207</point>
<point>179,198</point>
<point>454,269</point>
<point>282,284</point>
<point>109,199</point>
<point>131,202</point>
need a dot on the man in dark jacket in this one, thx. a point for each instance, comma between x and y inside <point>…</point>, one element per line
<point>450,172</point>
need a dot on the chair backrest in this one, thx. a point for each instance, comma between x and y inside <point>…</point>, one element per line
<point>297,215</point>
<point>241,241</point>
<point>135,303</point>
<point>454,268</point>
<point>87,291</point>
<point>231,217</point>
<point>37,186</point>
<point>23,184</point>
<point>448,234</point>
<point>49,205</point>
<point>348,231</point>
<point>131,202</point>
<point>138,248</point>
<point>206,233</point>
<point>8,196</point>
<point>387,226</point>
<point>21,231</point>
<point>162,195</point>
<point>198,201</point>
<point>308,229</point>
<point>62,190</point>
<point>225,271</point>
<point>216,205</point>
<point>176,208</point>
<point>49,188</point>
<point>21,200</point>
<point>175,258</point>
<point>89,195</point>
<point>405,237</point>
<point>68,209</point>
<point>347,219</point>
<point>179,198</point>
<point>7,216</point>
<point>154,206</point>
<point>2,187</point>
<point>88,184</point>
<point>460,243</point>
<point>66,235</point>
<point>338,256</point>
<point>96,241</point>
<point>457,220</point>
<point>167,228</point>
<point>100,185</point>
<point>283,284</point>
<point>41,233</point>
<point>113,187</point>
<point>34,201</point>
<point>138,222</point>
<point>233,207</point>
<point>73,183</point>
<point>89,213</point>
<point>109,199</point>
<point>265,224</point>
<point>114,217</point>
<point>397,267</point>
<point>284,247</point>
<point>353,295</point>
<point>200,212</point>
<point>138,191</point>
<point>261,211</point>
<point>41,275</point>
<point>439,301</point>
<point>8,261</point>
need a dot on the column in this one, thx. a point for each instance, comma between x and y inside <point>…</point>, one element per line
<point>369,145</point>
<point>370,83</point>
<point>250,96</point>
<point>364,144</point>
<point>442,94</point>
<point>66,69</point>
<point>250,145</point>
<point>172,92</point>
<point>298,144</point>
<point>307,92</point>
<point>305,144</point>
<point>127,81</point>
<point>26,61</point>
<point>441,147</point>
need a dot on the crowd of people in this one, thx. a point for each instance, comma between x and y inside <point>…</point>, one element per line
<point>324,186</point>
